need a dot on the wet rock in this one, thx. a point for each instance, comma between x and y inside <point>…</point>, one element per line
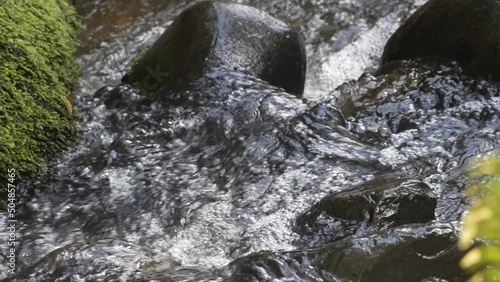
<point>466,31</point>
<point>404,124</point>
<point>410,253</point>
<point>411,202</point>
<point>344,205</point>
<point>333,218</point>
<point>378,204</point>
<point>417,252</point>
<point>269,266</point>
<point>212,35</point>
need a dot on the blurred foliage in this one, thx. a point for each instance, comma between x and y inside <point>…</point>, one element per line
<point>481,230</point>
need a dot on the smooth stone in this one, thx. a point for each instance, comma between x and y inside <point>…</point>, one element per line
<point>467,31</point>
<point>216,35</point>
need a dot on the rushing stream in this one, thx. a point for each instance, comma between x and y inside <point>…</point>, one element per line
<point>184,188</point>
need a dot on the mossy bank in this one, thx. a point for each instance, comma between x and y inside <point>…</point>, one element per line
<point>38,72</point>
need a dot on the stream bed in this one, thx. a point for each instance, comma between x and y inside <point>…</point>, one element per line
<point>232,185</point>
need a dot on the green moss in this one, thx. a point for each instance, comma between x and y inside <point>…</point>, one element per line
<point>139,56</point>
<point>38,70</point>
<point>151,265</point>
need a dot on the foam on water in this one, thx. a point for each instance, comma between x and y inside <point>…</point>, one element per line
<point>361,55</point>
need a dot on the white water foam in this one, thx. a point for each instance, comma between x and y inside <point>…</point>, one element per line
<point>352,61</point>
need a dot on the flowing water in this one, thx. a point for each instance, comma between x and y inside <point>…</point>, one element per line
<point>175,190</point>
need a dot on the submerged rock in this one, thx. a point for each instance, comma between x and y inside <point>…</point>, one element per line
<point>409,253</point>
<point>418,252</point>
<point>466,31</point>
<point>381,203</point>
<point>228,36</point>
<point>270,266</point>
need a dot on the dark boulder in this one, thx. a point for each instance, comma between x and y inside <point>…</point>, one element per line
<point>411,202</point>
<point>211,35</point>
<point>467,31</point>
<point>386,201</point>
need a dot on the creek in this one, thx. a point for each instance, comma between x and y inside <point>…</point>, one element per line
<point>176,191</point>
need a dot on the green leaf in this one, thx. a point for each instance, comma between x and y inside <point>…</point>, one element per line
<point>482,222</point>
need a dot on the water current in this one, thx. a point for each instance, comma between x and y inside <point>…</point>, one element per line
<point>177,189</point>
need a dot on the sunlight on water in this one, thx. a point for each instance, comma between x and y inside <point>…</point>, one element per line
<point>176,191</point>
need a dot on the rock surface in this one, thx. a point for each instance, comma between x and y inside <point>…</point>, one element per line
<point>378,204</point>
<point>413,253</point>
<point>228,36</point>
<point>466,31</point>
<point>409,253</point>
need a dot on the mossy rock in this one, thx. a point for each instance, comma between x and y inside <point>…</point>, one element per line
<point>38,70</point>
<point>466,31</point>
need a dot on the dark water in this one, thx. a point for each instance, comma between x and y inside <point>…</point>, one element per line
<point>175,190</point>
